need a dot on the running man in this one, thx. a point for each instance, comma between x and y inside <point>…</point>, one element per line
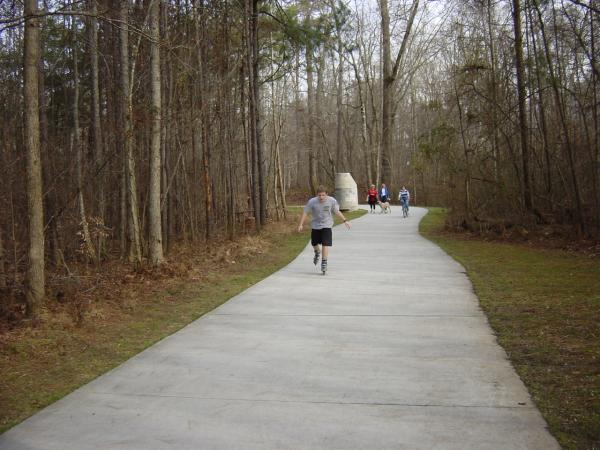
<point>321,208</point>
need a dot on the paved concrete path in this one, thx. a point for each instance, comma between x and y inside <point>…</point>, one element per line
<point>389,350</point>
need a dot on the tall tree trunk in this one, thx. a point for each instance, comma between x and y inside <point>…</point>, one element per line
<point>371,126</point>
<point>230,175</point>
<point>274,150</point>
<point>278,166</point>
<point>2,261</point>
<point>50,198</point>
<point>363,126</point>
<point>523,126</point>
<point>312,161</point>
<point>340,157</point>
<point>225,130</point>
<point>390,74</point>
<point>340,161</point>
<point>164,204</point>
<point>203,127</point>
<point>277,121</point>
<point>229,105</point>
<point>596,149</point>
<point>96,124</point>
<point>115,98</point>
<point>319,120</point>
<point>466,151</point>
<point>387,90</point>
<point>413,148</point>
<point>130,188</point>
<point>155,248</point>
<point>35,282</point>
<point>123,229</point>
<point>494,92</point>
<point>244,106</point>
<point>297,111</point>
<point>281,183</point>
<point>260,153</point>
<point>167,95</point>
<point>563,121</point>
<point>253,113</point>
<point>90,251</point>
<point>207,178</point>
<point>251,118</point>
<point>542,114</point>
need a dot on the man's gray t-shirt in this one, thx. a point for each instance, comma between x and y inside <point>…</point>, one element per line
<point>322,212</point>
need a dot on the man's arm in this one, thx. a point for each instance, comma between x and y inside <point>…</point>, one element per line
<point>302,219</point>
<point>341,216</point>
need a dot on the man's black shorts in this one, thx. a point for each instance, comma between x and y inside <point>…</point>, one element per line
<point>322,236</point>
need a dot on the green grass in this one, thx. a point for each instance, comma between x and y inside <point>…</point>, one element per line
<point>544,306</point>
<point>39,365</point>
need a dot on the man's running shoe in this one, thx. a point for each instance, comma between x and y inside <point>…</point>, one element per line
<point>316,258</point>
<point>324,266</point>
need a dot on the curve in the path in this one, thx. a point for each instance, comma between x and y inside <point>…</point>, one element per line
<point>388,350</point>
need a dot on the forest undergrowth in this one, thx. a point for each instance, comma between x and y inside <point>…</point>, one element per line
<point>524,231</point>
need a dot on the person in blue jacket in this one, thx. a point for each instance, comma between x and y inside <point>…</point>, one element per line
<point>384,193</point>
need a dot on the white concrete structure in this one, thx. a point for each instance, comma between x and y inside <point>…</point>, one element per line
<point>346,192</point>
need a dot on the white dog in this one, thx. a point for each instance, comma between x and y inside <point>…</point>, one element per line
<point>385,207</point>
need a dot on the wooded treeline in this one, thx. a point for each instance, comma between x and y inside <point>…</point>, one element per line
<point>507,115</point>
<point>128,125</point>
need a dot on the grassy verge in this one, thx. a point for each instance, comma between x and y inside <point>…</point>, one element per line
<point>42,363</point>
<point>544,306</point>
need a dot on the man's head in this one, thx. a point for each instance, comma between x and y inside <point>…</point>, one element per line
<point>322,193</point>
<point>382,184</point>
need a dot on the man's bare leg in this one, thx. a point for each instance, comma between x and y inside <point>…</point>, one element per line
<point>317,249</point>
<point>324,259</point>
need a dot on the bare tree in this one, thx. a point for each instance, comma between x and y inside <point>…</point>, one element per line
<point>89,250</point>
<point>2,262</point>
<point>35,286</point>
<point>523,127</point>
<point>130,186</point>
<point>97,140</point>
<point>256,140</point>
<point>560,106</point>
<point>389,76</point>
<point>155,248</point>
<point>339,22</point>
<point>310,99</point>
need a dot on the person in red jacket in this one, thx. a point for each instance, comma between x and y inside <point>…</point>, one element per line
<point>372,198</point>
